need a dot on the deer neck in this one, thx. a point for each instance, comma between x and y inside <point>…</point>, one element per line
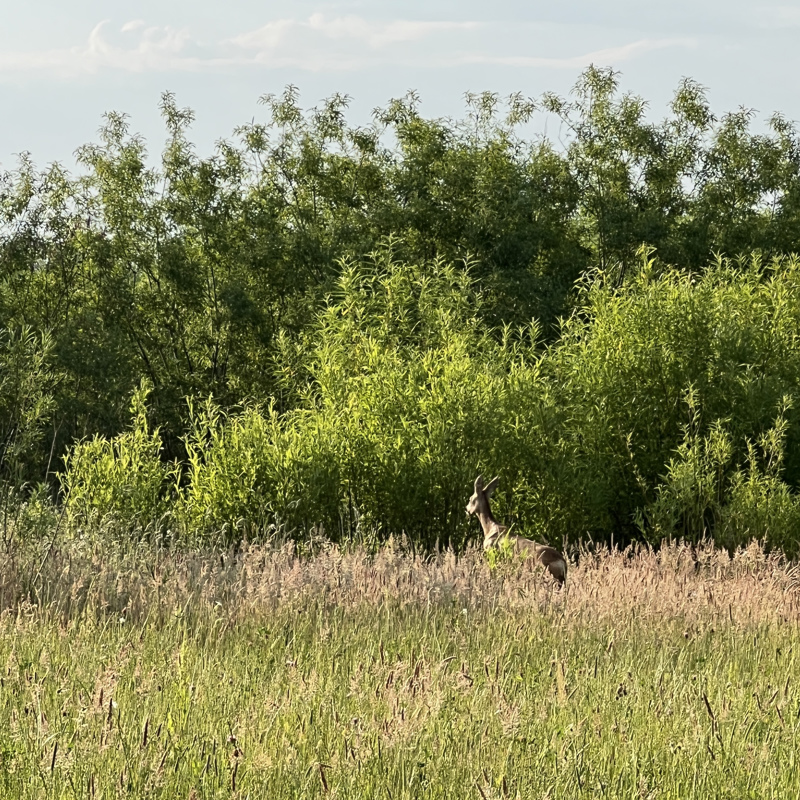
<point>492,529</point>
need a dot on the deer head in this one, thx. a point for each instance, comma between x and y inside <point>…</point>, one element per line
<point>479,502</point>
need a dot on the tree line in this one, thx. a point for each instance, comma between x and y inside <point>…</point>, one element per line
<point>327,326</point>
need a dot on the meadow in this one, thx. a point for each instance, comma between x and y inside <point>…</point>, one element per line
<point>267,672</point>
<point>322,332</point>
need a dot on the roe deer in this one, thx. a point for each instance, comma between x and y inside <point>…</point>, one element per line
<point>495,534</point>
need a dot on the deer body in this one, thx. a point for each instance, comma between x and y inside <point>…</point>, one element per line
<point>495,534</point>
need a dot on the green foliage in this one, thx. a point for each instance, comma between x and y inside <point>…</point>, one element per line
<point>704,495</point>
<point>503,553</point>
<point>761,505</point>
<point>194,272</point>
<point>398,412</point>
<point>27,385</point>
<point>404,395</point>
<point>26,398</point>
<point>253,474</point>
<point>628,361</point>
<point>690,185</point>
<point>358,302</point>
<point>119,480</point>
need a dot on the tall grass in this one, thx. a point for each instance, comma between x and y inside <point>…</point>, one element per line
<point>263,674</point>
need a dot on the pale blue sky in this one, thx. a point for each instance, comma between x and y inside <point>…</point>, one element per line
<point>62,64</point>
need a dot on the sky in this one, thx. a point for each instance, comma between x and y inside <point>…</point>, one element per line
<point>63,64</point>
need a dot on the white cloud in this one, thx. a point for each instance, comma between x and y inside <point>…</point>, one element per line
<point>342,43</point>
<point>315,44</point>
<point>151,49</point>
<point>133,25</point>
<point>351,42</point>
<point>270,35</point>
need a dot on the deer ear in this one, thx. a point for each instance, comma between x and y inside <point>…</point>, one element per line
<point>491,486</point>
<point>479,483</point>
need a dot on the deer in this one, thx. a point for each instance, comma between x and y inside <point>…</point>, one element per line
<point>495,534</point>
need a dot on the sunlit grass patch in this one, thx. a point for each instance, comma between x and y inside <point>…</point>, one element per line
<point>350,675</point>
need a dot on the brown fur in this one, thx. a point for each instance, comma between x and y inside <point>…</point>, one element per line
<point>495,534</point>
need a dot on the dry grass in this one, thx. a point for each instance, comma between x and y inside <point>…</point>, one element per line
<point>693,584</point>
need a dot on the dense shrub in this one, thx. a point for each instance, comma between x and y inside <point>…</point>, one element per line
<point>664,409</point>
<point>401,407</point>
<point>638,364</point>
<point>194,271</point>
<point>124,479</point>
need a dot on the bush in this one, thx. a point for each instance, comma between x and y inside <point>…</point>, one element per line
<point>121,479</point>
<point>404,403</point>
<point>629,358</point>
<point>665,409</point>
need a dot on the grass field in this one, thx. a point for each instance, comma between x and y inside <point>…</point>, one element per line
<point>146,674</point>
